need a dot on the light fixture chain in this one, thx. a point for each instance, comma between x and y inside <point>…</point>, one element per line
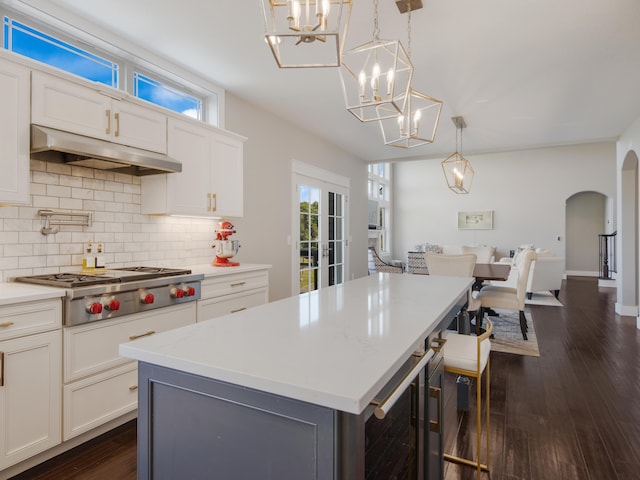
<point>409,29</point>
<point>376,29</point>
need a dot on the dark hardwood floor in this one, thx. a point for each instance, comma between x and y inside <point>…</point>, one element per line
<point>571,414</point>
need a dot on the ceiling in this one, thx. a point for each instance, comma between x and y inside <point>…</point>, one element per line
<point>523,73</point>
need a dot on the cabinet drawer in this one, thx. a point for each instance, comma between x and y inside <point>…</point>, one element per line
<point>100,398</point>
<point>27,318</point>
<point>237,302</point>
<point>91,348</point>
<point>234,283</point>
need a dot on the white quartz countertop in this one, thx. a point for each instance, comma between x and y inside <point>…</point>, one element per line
<point>335,347</point>
<point>211,271</point>
<point>19,293</point>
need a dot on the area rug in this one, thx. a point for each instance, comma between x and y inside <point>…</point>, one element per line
<point>508,337</point>
<point>543,298</point>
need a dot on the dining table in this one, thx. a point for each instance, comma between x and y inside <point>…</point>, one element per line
<point>490,271</point>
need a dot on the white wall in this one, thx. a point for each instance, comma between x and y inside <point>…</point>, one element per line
<point>628,148</point>
<point>585,220</point>
<point>526,190</point>
<point>268,154</point>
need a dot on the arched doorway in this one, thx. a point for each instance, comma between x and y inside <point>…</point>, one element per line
<point>627,295</point>
<point>587,215</point>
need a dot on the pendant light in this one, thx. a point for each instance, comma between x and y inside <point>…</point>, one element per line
<point>457,169</point>
<point>306,33</point>
<point>417,123</point>
<point>376,77</point>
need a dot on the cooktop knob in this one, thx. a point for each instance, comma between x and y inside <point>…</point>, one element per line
<point>94,308</point>
<point>177,293</point>
<point>113,305</point>
<point>190,291</point>
<point>147,298</point>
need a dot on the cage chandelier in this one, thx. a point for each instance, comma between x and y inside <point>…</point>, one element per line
<point>376,77</point>
<point>306,33</point>
<point>457,169</point>
<point>418,121</point>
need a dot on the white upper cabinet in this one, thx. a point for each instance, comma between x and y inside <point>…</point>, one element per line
<point>227,177</point>
<point>14,133</point>
<point>65,105</point>
<point>211,181</point>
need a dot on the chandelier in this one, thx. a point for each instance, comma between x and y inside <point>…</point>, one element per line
<point>457,169</point>
<point>376,77</point>
<point>306,33</point>
<point>418,121</point>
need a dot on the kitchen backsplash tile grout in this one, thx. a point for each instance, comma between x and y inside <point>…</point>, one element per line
<point>129,237</point>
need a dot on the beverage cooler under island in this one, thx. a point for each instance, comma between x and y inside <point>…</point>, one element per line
<point>341,383</point>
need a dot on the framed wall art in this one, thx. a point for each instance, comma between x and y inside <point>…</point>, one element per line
<point>475,220</point>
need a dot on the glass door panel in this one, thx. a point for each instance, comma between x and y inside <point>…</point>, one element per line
<point>321,239</point>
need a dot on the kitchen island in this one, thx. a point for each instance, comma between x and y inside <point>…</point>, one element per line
<point>283,390</point>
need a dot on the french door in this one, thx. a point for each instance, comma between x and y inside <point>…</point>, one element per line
<point>320,222</point>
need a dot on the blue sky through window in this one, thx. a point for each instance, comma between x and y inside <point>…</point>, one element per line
<point>157,92</point>
<point>34,44</point>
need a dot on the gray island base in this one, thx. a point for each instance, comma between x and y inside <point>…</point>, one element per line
<point>251,405</point>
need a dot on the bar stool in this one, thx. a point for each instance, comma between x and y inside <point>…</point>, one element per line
<point>469,356</point>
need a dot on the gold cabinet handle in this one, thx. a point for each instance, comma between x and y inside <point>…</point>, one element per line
<point>146,334</point>
<point>133,388</point>
<point>108,113</point>
<point>117,117</point>
<point>5,324</point>
<point>1,369</point>
<point>382,407</point>
<point>214,202</point>
<point>238,284</point>
<point>208,202</point>
<point>238,310</point>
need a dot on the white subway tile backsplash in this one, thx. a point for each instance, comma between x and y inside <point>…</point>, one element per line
<point>70,204</point>
<point>82,193</point>
<point>129,237</point>
<point>18,250</point>
<point>58,191</point>
<point>44,202</point>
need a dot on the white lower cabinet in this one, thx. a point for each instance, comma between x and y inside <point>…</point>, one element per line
<point>30,386</point>
<point>232,293</point>
<point>99,384</point>
<point>90,402</point>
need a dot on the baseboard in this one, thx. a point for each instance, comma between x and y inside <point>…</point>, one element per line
<point>581,273</point>
<point>626,310</point>
<point>607,282</point>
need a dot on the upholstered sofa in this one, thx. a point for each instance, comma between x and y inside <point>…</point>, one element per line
<point>416,260</point>
<point>545,274</point>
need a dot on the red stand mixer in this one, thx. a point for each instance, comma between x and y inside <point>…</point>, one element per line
<point>225,248</point>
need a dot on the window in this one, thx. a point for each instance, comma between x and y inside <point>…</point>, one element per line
<point>166,96</point>
<point>32,43</point>
<point>44,44</point>
<point>379,191</point>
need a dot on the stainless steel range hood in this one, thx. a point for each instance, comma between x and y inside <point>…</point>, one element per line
<point>57,145</point>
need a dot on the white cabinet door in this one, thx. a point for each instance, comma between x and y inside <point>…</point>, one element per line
<point>31,396</point>
<point>210,184</point>
<point>184,193</point>
<point>14,133</point>
<point>227,176</point>
<point>65,105</point>
<point>137,126</point>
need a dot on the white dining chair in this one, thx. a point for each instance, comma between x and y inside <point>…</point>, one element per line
<point>508,298</point>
